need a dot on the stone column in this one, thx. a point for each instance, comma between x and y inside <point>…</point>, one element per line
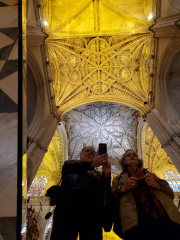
<point>39,147</point>
<point>169,140</point>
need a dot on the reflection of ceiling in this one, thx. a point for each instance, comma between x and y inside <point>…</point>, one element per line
<point>102,123</point>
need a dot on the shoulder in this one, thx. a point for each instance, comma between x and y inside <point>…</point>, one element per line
<point>122,175</point>
<point>68,162</point>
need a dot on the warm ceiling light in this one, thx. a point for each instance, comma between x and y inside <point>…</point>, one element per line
<point>45,23</point>
<point>150,16</point>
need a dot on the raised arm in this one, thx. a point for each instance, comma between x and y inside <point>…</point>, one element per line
<point>76,166</point>
<point>82,166</point>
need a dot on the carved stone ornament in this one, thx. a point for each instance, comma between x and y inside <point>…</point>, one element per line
<point>108,68</point>
<point>102,122</point>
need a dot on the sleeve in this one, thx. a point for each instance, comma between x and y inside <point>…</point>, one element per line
<point>116,188</point>
<point>106,183</point>
<point>164,186</point>
<point>107,203</point>
<point>76,166</point>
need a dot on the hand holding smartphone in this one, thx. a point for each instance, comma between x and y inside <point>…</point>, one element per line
<point>102,148</point>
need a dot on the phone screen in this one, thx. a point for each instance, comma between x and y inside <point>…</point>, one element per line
<point>102,148</point>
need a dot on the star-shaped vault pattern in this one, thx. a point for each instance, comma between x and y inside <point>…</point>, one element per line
<point>101,122</point>
<point>109,67</point>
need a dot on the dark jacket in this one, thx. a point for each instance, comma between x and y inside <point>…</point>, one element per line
<point>79,174</point>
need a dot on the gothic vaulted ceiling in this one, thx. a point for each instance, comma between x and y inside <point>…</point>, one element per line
<point>102,122</point>
<point>98,51</point>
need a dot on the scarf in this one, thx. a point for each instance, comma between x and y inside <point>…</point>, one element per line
<point>146,196</point>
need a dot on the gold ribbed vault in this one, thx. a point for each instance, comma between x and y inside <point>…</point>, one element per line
<point>108,68</point>
<point>98,50</point>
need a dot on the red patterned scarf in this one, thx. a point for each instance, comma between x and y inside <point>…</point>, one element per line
<point>147,197</point>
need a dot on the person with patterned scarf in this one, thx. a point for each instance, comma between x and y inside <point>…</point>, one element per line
<point>143,203</point>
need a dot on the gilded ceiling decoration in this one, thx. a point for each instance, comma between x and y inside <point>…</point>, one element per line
<point>101,122</point>
<point>98,50</point>
<point>155,157</point>
<point>92,17</point>
<point>100,68</point>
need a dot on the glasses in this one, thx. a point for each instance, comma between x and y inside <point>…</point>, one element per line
<point>89,151</point>
<point>133,154</point>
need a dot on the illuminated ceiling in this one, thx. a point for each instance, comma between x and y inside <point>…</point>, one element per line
<point>98,50</point>
<point>67,18</point>
<point>101,122</point>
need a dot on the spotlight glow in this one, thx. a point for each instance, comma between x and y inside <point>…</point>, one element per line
<point>45,23</point>
<point>150,16</point>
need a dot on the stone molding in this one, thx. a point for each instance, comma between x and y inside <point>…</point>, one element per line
<point>48,82</point>
<point>170,52</point>
<point>62,130</point>
<point>35,199</point>
<point>139,137</point>
<point>175,5</point>
<point>35,68</point>
<point>35,36</point>
<point>166,27</point>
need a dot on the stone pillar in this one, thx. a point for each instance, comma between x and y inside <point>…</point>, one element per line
<point>169,140</point>
<point>35,36</point>
<point>39,147</point>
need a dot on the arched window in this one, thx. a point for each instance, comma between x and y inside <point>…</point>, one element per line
<point>37,187</point>
<point>113,166</point>
<point>173,179</point>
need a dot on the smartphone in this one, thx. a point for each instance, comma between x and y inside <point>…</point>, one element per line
<point>102,148</point>
<point>141,181</point>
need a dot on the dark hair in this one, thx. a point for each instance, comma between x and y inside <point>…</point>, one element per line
<point>88,146</point>
<point>123,164</point>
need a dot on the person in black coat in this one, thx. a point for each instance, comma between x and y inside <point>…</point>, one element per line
<point>85,194</point>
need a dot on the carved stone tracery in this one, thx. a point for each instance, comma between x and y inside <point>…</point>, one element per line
<point>103,67</point>
<point>102,123</point>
